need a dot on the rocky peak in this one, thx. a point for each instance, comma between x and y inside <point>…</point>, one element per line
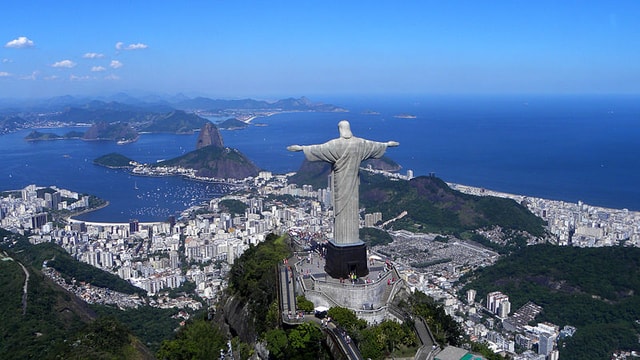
<point>209,135</point>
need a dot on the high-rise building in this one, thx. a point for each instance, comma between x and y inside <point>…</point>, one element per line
<point>106,259</point>
<point>471,296</point>
<point>545,343</point>
<point>495,299</point>
<point>174,259</point>
<point>371,220</point>
<point>80,227</point>
<point>52,200</point>
<point>172,223</point>
<point>134,226</point>
<point>504,308</point>
<point>38,220</point>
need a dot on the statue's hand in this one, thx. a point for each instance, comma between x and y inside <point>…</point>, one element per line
<point>392,143</point>
<point>294,148</point>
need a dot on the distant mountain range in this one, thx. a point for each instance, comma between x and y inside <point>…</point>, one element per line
<point>157,104</point>
<point>290,104</point>
<point>176,114</point>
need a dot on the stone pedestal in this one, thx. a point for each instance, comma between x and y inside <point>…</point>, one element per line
<point>341,261</point>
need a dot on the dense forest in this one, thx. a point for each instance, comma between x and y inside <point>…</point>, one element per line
<point>51,323</point>
<point>211,161</point>
<point>40,136</point>
<point>597,290</point>
<point>113,160</point>
<point>70,268</point>
<point>432,206</point>
<point>232,206</point>
<point>253,278</point>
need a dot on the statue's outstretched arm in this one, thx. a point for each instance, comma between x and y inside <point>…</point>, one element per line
<point>294,148</point>
<point>392,143</point>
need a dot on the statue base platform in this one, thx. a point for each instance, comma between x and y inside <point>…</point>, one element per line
<point>343,260</point>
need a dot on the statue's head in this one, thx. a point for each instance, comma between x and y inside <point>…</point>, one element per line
<point>345,129</point>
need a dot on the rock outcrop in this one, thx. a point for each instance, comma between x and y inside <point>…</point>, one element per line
<point>209,136</point>
<point>212,160</point>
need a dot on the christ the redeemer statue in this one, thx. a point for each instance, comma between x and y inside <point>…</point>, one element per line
<point>346,251</point>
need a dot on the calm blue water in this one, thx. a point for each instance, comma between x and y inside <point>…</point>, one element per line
<point>563,148</point>
<point>69,164</point>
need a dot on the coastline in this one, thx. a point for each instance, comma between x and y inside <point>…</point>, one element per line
<point>480,191</point>
<point>70,218</point>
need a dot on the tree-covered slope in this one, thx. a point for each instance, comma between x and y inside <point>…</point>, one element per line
<point>65,264</point>
<point>177,121</point>
<point>110,131</point>
<point>232,124</point>
<point>211,161</point>
<point>113,160</point>
<point>49,322</point>
<point>432,206</point>
<point>40,136</point>
<point>596,290</point>
<point>96,111</point>
<point>51,314</point>
<point>37,136</point>
<point>253,277</point>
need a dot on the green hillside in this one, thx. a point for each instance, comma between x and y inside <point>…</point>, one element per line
<point>51,314</point>
<point>597,290</point>
<point>232,124</point>
<point>49,322</point>
<point>177,121</point>
<point>432,206</point>
<point>212,161</point>
<point>59,259</point>
<point>37,136</point>
<point>111,131</point>
<point>40,136</point>
<point>113,160</point>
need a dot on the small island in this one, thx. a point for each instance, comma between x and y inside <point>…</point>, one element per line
<point>232,124</point>
<point>44,136</point>
<point>115,161</point>
<point>405,116</point>
<point>370,112</point>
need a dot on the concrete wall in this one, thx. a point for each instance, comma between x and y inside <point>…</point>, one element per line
<point>354,296</point>
<point>331,294</point>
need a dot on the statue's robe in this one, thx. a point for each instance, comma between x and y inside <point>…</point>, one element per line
<point>345,156</point>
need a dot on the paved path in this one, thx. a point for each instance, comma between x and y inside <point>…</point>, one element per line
<point>24,288</point>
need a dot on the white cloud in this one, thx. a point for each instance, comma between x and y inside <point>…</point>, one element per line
<point>4,74</point>
<point>112,77</point>
<point>6,61</point>
<point>19,43</point>
<point>138,46</point>
<point>98,68</point>
<point>33,76</point>
<point>64,64</point>
<point>51,78</point>
<point>92,55</point>
<point>116,64</point>
<point>79,78</point>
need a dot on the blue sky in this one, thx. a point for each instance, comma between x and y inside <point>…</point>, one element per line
<point>273,49</point>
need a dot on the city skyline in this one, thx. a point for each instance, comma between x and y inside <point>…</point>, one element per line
<point>273,50</point>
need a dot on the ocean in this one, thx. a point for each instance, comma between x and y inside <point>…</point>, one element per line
<point>566,148</point>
